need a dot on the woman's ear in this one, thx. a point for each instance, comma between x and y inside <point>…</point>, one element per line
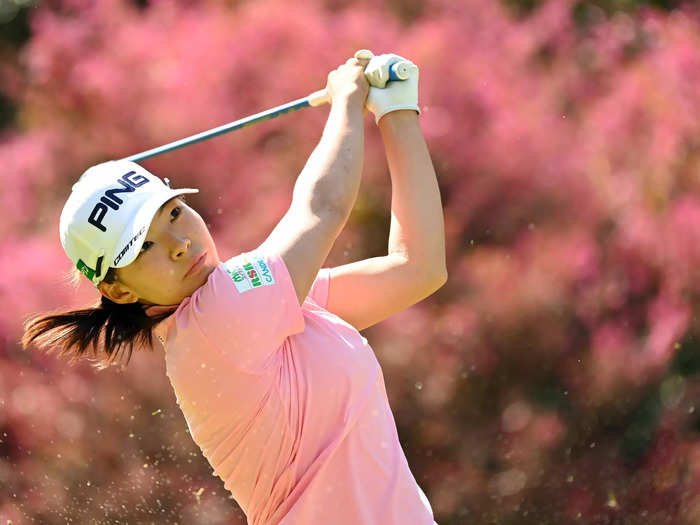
<point>117,292</point>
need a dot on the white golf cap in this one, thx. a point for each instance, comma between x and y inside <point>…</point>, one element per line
<point>107,215</point>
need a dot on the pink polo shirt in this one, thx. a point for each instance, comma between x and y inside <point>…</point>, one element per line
<point>287,403</point>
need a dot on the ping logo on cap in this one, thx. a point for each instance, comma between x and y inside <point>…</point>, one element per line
<point>128,183</point>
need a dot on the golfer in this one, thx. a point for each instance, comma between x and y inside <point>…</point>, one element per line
<point>279,389</point>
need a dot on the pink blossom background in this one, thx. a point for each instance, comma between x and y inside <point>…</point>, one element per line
<point>553,379</point>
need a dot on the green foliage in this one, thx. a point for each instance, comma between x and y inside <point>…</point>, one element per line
<point>687,359</point>
<point>14,29</point>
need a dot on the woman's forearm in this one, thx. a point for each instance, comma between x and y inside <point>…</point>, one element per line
<point>331,177</point>
<point>417,230</point>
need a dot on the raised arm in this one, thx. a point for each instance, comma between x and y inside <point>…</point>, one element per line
<point>368,291</point>
<point>417,231</point>
<point>327,187</point>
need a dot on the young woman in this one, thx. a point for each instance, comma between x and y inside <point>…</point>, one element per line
<point>280,391</point>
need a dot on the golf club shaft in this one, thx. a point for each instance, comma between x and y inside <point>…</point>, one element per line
<point>237,124</point>
<point>317,98</point>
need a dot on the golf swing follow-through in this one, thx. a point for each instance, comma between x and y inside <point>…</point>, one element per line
<point>388,70</point>
<point>280,391</point>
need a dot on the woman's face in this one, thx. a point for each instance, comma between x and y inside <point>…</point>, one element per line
<point>159,275</point>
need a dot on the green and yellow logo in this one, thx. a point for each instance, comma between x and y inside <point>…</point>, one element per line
<point>249,273</point>
<point>87,272</point>
<point>252,274</point>
<point>236,275</point>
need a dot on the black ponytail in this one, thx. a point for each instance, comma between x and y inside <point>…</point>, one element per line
<point>108,327</point>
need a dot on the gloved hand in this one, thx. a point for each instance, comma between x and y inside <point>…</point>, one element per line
<point>398,94</point>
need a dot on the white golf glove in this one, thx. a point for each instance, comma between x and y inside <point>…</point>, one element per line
<point>384,96</point>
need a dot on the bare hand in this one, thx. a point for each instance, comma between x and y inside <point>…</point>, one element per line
<point>348,82</point>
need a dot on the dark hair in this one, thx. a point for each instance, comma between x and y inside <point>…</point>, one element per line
<point>107,326</point>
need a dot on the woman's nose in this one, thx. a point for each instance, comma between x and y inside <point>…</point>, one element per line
<point>180,247</point>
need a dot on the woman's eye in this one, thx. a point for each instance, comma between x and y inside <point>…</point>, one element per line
<point>147,244</point>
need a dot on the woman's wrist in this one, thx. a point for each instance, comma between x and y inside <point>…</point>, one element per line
<point>352,107</point>
<point>349,99</point>
<point>397,120</point>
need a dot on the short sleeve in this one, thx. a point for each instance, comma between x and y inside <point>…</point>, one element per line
<point>248,308</point>
<point>319,289</point>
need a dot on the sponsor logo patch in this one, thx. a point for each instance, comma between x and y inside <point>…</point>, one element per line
<point>122,253</point>
<point>249,272</point>
<point>85,270</point>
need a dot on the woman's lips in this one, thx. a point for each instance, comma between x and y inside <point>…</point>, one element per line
<point>197,264</point>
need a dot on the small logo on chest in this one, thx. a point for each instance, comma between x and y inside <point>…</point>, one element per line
<point>249,273</point>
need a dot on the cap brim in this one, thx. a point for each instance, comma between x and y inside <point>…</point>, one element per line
<point>135,232</point>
